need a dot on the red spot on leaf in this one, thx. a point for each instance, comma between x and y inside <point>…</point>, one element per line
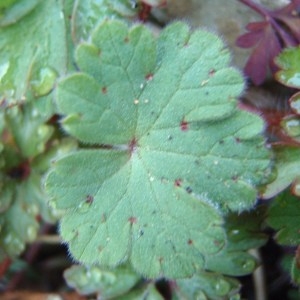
<point>132,220</point>
<point>132,146</point>
<point>178,182</point>
<point>149,76</point>
<point>190,242</point>
<point>211,72</point>
<point>89,199</point>
<point>184,125</point>
<point>104,90</point>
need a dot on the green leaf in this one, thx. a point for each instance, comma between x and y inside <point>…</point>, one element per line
<point>295,103</point>
<point>291,125</point>
<point>284,217</point>
<point>288,62</point>
<point>206,285</point>
<point>27,158</point>
<point>244,232</point>
<point>174,145</point>
<point>233,263</point>
<point>149,292</point>
<point>27,127</point>
<point>287,168</point>
<point>29,69</point>
<point>108,283</point>
<point>89,13</point>
<point>295,272</point>
<point>11,11</point>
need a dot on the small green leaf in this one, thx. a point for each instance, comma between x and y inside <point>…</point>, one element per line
<point>291,125</point>
<point>245,230</point>
<point>295,272</point>
<point>233,263</point>
<point>89,13</point>
<point>295,103</point>
<point>206,285</point>
<point>27,158</point>
<point>284,217</point>
<point>288,61</point>
<point>149,292</point>
<point>175,147</point>
<point>11,11</point>
<point>28,68</point>
<point>288,170</point>
<point>108,283</point>
<point>28,129</point>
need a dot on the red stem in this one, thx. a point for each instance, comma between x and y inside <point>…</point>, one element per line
<point>257,7</point>
<point>271,18</point>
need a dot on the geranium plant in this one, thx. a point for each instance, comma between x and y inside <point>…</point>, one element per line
<point>137,150</point>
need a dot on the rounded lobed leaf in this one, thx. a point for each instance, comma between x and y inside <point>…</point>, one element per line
<point>288,62</point>
<point>168,147</point>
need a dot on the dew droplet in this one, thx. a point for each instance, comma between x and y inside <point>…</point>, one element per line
<point>248,265</point>
<point>146,101</point>
<point>136,101</point>
<point>235,232</point>
<point>34,112</point>
<point>222,287</point>
<point>45,82</point>
<point>141,86</point>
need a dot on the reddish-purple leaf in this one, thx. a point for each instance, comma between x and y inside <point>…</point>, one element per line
<point>257,26</point>
<point>280,29</point>
<point>249,39</point>
<point>256,66</point>
<point>262,56</point>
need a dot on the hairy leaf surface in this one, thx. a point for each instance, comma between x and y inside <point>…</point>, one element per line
<point>167,146</point>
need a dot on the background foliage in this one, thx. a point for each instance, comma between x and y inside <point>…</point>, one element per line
<point>151,167</point>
